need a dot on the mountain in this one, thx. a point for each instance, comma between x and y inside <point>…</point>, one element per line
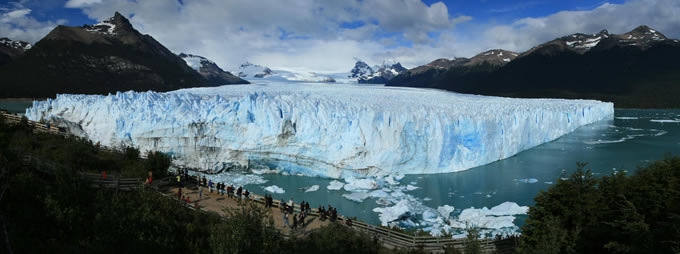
<point>431,74</point>
<point>103,58</point>
<point>361,69</point>
<point>638,69</point>
<point>210,70</point>
<point>378,74</point>
<point>10,49</point>
<point>249,70</point>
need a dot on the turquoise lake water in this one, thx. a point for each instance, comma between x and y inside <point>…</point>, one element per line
<point>632,139</point>
<point>15,105</point>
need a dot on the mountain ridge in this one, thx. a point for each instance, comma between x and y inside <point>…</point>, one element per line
<point>103,58</point>
<point>637,69</point>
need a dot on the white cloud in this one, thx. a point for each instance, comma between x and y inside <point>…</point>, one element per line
<point>230,32</point>
<point>80,3</point>
<point>16,24</point>
<point>15,14</point>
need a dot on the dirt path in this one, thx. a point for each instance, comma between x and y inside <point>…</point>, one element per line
<point>216,203</point>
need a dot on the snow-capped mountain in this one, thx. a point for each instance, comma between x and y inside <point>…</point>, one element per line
<point>378,74</point>
<point>641,37</point>
<point>496,57</point>
<point>630,69</point>
<point>252,71</point>
<point>21,45</point>
<point>10,49</point>
<point>210,70</point>
<point>361,69</point>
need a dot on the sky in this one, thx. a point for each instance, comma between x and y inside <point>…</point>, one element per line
<point>327,36</point>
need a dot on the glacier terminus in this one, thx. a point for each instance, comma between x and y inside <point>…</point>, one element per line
<point>327,130</point>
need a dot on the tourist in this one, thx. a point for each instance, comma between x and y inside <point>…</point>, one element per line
<point>246,194</point>
<point>200,192</point>
<point>295,222</point>
<point>302,220</point>
<point>322,213</point>
<point>188,201</point>
<point>285,219</point>
<point>210,186</point>
<point>179,193</point>
<point>179,180</point>
<point>239,192</point>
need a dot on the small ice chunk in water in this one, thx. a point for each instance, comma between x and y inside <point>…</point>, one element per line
<point>411,187</point>
<point>312,188</point>
<point>527,180</point>
<point>335,185</point>
<point>357,196</point>
<point>445,211</point>
<point>354,184</point>
<point>275,189</point>
<point>391,213</point>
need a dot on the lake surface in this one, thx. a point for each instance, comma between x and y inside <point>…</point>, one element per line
<point>632,139</point>
<point>15,105</point>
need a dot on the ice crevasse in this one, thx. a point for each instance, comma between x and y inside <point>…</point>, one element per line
<point>322,130</point>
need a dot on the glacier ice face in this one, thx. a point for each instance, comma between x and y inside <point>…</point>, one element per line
<point>323,130</point>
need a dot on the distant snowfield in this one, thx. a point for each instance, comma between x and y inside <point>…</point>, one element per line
<point>328,130</point>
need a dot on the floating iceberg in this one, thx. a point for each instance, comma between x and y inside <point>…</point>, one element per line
<point>357,196</point>
<point>392,213</point>
<point>275,189</point>
<point>335,185</point>
<point>354,184</point>
<point>322,130</point>
<point>312,188</point>
<point>445,211</point>
<point>500,216</point>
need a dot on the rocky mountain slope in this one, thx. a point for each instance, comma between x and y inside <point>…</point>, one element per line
<point>102,58</point>
<point>634,69</point>
<point>210,70</point>
<point>10,49</point>
<point>431,74</point>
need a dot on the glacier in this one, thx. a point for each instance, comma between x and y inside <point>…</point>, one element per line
<point>336,131</point>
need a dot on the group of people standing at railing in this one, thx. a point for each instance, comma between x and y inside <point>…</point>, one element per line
<point>331,213</point>
<point>288,210</point>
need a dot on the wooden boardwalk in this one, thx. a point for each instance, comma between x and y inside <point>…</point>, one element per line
<point>212,202</point>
